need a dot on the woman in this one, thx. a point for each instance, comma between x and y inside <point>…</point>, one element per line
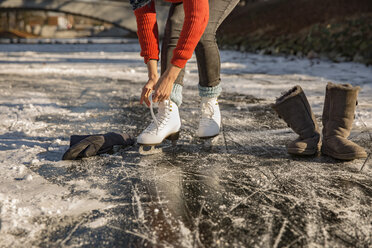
<point>191,25</point>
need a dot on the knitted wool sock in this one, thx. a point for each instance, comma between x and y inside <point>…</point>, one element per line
<point>210,92</point>
<point>176,95</point>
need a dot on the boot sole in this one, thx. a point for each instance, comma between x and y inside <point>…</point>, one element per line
<point>305,152</point>
<point>345,156</point>
<point>172,137</point>
<point>302,152</point>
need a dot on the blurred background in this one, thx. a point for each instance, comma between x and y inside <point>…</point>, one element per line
<point>340,30</point>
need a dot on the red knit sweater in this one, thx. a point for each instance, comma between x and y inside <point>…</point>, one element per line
<point>196,20</point>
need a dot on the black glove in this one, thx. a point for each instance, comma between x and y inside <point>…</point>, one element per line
<point>82,146</point>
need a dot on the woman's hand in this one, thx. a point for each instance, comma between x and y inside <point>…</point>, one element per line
<point>163,87</point>
<point>152,68</point>
<point>147,89</point>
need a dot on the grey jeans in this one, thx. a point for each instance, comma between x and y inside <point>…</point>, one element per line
<point>207,53</point>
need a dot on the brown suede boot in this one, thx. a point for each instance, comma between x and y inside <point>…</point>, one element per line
<point>338,116</point>
<point>295,110</point>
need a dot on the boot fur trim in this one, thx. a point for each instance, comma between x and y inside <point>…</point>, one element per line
<point>331,86</point>
<point>289,94</point>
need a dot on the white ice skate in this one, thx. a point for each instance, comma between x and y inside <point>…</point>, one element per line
<point>210,121</point>
<point>165,125</point>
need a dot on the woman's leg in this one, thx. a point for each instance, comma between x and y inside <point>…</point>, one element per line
<point>207,53</point>
<point>209,65</point>
<point>172,32</point>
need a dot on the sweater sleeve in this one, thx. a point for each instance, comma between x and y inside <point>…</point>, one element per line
<point>196,20</point>
<point>147,31</point>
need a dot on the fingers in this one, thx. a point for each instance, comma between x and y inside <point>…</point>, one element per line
<point>163,97</point>
<point>141,100</point>
<point>159,96</point>
<point>163,88</point>
<point>147,101</point>
<point>156,98</point>
<point>142,95</point>
<point>146,91</point>
<point>145,96</point>
<point>161,92</point>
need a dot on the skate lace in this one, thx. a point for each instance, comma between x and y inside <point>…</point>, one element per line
<point>207,113</point>
<point>160,119</point>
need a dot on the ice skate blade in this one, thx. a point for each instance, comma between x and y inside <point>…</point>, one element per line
<point>146,150</point>
<point>208,143</point>
<point>150,151</point>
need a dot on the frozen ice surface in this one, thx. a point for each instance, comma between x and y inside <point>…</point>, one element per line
<point>244,192</point>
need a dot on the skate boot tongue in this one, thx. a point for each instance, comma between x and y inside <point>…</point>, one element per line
<point>162,107</point>
<point>207,110</point>
<point>163,113</point>
<point>160,118</point>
